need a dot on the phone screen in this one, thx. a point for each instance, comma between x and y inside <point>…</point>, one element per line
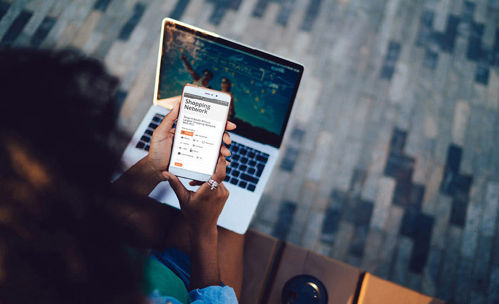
<point>200,126</point>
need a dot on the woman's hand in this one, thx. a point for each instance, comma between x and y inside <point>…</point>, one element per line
<point>202,208</point>
<point>162,140</point>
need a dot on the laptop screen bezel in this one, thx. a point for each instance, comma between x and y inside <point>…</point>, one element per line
<point>168,22</point>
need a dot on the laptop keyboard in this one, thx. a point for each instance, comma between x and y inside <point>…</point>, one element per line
<point>145,140</point>
<point>246,163</point>
<point>246,166</point>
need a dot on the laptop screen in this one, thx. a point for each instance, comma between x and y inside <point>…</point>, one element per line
<point>263,86</point>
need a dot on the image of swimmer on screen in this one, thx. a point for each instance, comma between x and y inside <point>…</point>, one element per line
<point>202,81</point>
<point>261,90</point>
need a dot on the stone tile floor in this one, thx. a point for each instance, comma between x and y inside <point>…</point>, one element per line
<point>390,162</point>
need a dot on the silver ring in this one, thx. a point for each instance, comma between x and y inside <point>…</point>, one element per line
<point>213,184</point>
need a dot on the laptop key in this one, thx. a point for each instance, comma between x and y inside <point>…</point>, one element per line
<point>147,148</point>
<point>234,148</point>
<point>228,170</point>
<point>156,119</point>
<point>242,184</point>
<point>234,181</point>
<point>252,163</point>
<point>236,157</point>
<point>145,138</point>
<point>251,155</point>
<point>234,165</point>
<point>140,145</point>
<point>249,178</point>
<point>149,132</point>
<point>243,168</point>
<point>243,151</point>
<point>251,187</point>
<point>262,159</point>
<point>244,160</point>
<point>259,172</point>
<point>251,171</point>
<point>153,126</point>
<point>260,166</point>
<point>236,173</point>
<point>227,178</point>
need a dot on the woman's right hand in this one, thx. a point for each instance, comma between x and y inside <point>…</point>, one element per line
<point>202,208</point>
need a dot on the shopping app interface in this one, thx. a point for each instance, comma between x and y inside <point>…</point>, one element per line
<point>197,142</point>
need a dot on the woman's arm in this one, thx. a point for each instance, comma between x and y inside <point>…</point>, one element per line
<point>204,259</point>
<point>201,210</point>
<point>141,178</point>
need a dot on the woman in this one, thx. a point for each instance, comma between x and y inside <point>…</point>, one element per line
<point>66,233</point>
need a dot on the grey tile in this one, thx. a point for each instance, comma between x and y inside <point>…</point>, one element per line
<point>490,217</point>
<point>430,275</point>
<point>16,27</point>
<point>448,38</point>
<point>220,9</point>
<point>431,59</point>
<point>414,281</point>
<point>401,263</point>
<point>339,250</point>
<point>481,268</point>
<point>422,237</point>
<point>286,214</point>
<point>471,230</point>
<point>311,14</point>
<point>463,280</point>
<point>447,276</point>
<point>330,224</point>
<point>391,57</point>
<point>493,292</point>
<point>311,233</point>
<point>127,29</point>
<point>474,51</point>
<point>179,9</point>
<point>4,7</point>
<point>101,5</point>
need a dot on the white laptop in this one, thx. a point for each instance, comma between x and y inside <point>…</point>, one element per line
<point>263,89</point>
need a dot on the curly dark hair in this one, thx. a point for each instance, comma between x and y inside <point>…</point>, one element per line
<point>58,242</point>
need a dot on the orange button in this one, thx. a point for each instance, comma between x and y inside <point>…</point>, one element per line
<point>188,133</point>
<point>178,164</point>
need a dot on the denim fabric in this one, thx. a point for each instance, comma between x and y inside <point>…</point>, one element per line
<point>213,295</point>
<point>207,295</point>
<point>180,264</point>
<point>155,298</point>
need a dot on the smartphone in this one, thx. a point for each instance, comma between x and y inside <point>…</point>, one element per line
<point>198,135</point>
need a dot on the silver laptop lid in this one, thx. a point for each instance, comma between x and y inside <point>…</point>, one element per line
<point>263,86</point>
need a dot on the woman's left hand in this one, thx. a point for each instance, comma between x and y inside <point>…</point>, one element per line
<point>162,141</point>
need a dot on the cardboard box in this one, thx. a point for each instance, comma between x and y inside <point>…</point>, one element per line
<point>259,253</point>
<point>376,290</point>
<point>339,279</point>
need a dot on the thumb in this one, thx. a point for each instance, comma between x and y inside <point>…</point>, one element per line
<point>169,120</point>
<point>182,193</point>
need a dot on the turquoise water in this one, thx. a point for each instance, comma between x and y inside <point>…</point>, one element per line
<point>261,90</point>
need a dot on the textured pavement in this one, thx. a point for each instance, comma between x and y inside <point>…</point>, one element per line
<point>391,160</point>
